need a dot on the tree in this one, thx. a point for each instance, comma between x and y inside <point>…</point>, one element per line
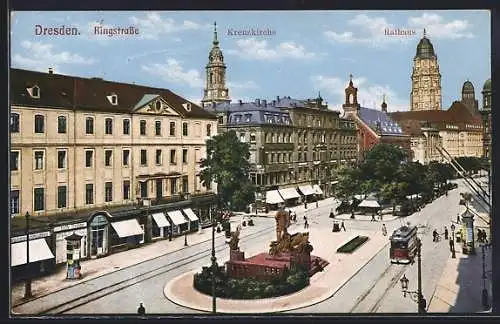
<point>348,182</point>
<point>227,164</point>
<point>381,162</point>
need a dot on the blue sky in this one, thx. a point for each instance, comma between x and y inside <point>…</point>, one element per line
<point>310,51</point>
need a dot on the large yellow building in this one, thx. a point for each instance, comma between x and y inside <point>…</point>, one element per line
<point>82,147</point>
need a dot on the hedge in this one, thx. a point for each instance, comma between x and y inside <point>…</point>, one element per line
<point>353,244</point>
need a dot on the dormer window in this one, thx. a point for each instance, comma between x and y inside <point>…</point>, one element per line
<point>158,105</point>
<point>187,106</point>
<point>34,91</point>
<point>113,99</point>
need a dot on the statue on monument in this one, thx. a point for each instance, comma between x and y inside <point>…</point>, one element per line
<point>235,238</point>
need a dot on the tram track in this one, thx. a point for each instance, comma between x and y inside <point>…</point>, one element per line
<point>136,278</point>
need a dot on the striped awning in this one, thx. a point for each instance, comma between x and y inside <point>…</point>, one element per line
<point>161,220</point>
<point>126,228</point>
<point>39,251</point>
<point>317,189</point>
<point>369,204</point>
<point>273,197</point>
<point>190,214</point>
<point>307,190</point>
<point>289,193</point>
<point>177,217</point>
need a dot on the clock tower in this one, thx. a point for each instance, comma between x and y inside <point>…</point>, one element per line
<point>215,87</point>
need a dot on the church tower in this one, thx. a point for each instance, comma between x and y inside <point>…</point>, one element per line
<point>469,98</point>
<point>351,105</point>
<point>486,116</point>
<point>425,79</point>
<point>215,87</point>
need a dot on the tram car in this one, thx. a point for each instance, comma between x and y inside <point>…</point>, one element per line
<point>403,244</point>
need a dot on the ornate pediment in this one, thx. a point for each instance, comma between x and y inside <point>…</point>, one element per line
<point>155,104</point>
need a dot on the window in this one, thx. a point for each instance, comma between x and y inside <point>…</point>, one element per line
<point>39,160</point>
<point>144,157</point>
<point>252,138</point>
<point>126,127</point>
<point>144,189</point>
<point>61,196</point>
<point>89,157</point>
<point>220,120</point>
<point>173,186</point>
<point>108,123</point>
<point>61,124</point>
<point>158,105</point>
<point>38,199</point>
<point>14,202</point>
<point>185,184</point>
<point>173,158</point>
<point>184,129</point>
<point>35,92</point>
<point>14,160</point>
<point>39,124</point>
<point>61,159</point>
<point>184,156</point>
<point>89,194</point>
<point>14,123</point>
<point>108,191</point>
<point>89,125</point>
<point>126,189</point>
<point>158,128</point>
<point>242,137</point>
<point>126,156</point>
<point>209,130</point>
<point>172,129</point>
<point>108,155</point>
<point>114,99</point>
<point>158,157</point>
<point>142,127</point>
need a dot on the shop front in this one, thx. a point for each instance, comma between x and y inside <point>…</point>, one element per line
<point>98,234</point>
<point>180,225</point>
<point>41,258</point>
<point>161,226</point>
<point>126,234</point>
<point>290,195</point>
<point>194,221</point>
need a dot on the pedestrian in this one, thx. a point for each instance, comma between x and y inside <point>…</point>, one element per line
<point>485,238</point>
<point>316,203</point>
<point>480,236</point>
<point>306,224</point>
<point>445,233</point>
<point>380,216</point>
<point>141,310</point>
<point>332,215</point>
<point>458,219</point>
<point>452,245</point>
<point>435,236</point>
<point>342,226</point>
<point>384,230</point>
<point>373,218</point>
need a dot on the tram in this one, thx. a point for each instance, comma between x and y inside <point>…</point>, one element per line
<point>403,244</point>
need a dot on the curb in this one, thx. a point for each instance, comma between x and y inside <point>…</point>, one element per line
<point>325,296</point>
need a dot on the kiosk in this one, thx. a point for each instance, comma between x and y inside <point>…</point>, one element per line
<point>73,256</point>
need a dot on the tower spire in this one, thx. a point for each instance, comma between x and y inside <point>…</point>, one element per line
<point>383,97</point>
<point>216,42</point>
<point>425,34</point>
<point>350,80</point>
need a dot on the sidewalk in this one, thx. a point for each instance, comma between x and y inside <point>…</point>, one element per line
<point>93,268</point>
<point>322,286</point>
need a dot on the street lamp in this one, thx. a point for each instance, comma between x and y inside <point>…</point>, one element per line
<point>214,263</point>
<point>452,241</point>
<point>27,283</point>
<point>416,296</point>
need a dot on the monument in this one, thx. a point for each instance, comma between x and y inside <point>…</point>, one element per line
<point>287,251</point>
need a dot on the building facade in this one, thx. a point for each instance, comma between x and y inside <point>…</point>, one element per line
<point>374,126</point>
<point>425,78</point>
<point>293,143</point>
<point>458,132</point>
<point>81,148</point>
<point>469,98</point>
<point>486,118</point>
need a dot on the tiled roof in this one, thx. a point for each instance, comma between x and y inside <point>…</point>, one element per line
<point>379,119</point>
<point>63,91</point>
<point>458,113</point>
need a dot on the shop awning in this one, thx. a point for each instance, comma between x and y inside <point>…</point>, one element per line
<point>39,251</point>
<point>307,190</point>
<point>190,214</point>
<point>177,217</point>
<point>126,228</point>
<point>289,193</point>
<point>273,197</point>
<point>161,220</point>
<point>317,189</point>
<point>369,204</point>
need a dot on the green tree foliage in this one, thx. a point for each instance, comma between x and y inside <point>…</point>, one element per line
<point>381,163</point>
<point>227,164</point>
<point>349,181</point>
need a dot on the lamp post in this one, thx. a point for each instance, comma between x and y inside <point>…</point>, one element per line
<point>452,241</point>
<point>214,265</point>
<point>416,295</point>
<point>27,283</point>
<point>484,294</point>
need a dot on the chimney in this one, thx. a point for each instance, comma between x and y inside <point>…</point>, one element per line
<point>264,103</point>
<point>51,71</point>
<point>257,102</point>
<point>278,98</point>
<point>240,102</point>
<point>274,103</point>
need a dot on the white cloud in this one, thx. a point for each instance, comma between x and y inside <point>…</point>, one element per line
<point>172,71</point>
<point>152,25</point>
<point>369,95</point>
<point>436,27</point>
<point>42,56</point>
<point>259,50</point>
<point>242,85</point>
<point>372,30</point>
